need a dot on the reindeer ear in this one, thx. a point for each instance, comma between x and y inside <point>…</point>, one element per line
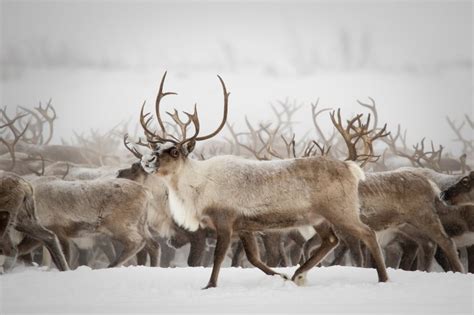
<point>190,146</point>
<point>471,174</point>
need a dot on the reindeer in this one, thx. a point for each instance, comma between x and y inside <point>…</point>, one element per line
<point>161,221</point>
<point>234,195</point>
<point>457,219</point>
<point>115,208</point>
<point>395,200</point>
<point>19,211</point>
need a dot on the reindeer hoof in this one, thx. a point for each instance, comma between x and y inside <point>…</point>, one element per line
<point>300,280</point>
<point>209,286</point>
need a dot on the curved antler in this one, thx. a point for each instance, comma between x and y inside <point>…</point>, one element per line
<point>224,118</point>
<point>134,151</point>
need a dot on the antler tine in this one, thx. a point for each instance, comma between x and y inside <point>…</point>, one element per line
<point>315,115</point>
<point>224,118</point>
<point>381,133</point>
<point>48,118</point>
<point>391,140</point>
<point>288,110</point>
<point>308,149</point>
<point>159,97</point>
<point>150,135</point>
<point>468,145</point>
<point>290,145</point>
<point>36,129</point>
<point>140,143</point>
<point>372,108</point>
<point>352,153</point>
<point>10,122</point>
<point>134,151</point>
<point>268,145</point>
<point>192,118</point>
<point>182,126</point>
<point>322,149</point>
<point>11,146</point>
<point>195,120</point>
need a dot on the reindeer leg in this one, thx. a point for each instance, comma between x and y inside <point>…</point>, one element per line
<point>153,248</point>
<point>339,253</point>
<point>442,260</point>
<point>431,226</point>
<point>297,250</point>
<point>27,245</point>
<point>355,249</point>
<point>251,250</point>
<point>50,241</point>
<point>222,245</point>
<point>329,240</point>
<point>167,253</point>
<point>236,258</point>
<point>132,244</point>
<point>142,256</point>
<point>271,242</point>
<point>198,245</point>
<point>356,228</point>
<point>409,253</point>
<point>393,254</point>
<point>310,245</point>
<point>470,258</point>
<point>108,248</point>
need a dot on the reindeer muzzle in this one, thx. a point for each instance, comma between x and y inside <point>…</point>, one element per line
<point>150,163</point>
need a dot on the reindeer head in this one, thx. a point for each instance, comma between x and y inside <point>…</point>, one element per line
<point>461,193</point>
<point>168,152</point>
<point>135,172</point>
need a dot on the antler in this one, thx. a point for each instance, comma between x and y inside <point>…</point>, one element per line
<point>257,144</point>
<point>355,131</point>
<point>315,114</point>
<point>153,137</point>
<point>49,118</point>
<point>285,115</point>
<point>134,151</point>
<point>391,140</point>
<point>224,118</point>
<point>468,145</point>
<point>310,149</point>
<point>17,136</point>
<point>372,107</point>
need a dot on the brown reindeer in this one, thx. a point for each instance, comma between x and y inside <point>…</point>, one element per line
<point>115,208</point>
<point>18,206</point>
<point>235,195</point>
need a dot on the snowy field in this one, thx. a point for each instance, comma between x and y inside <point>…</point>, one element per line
<point>178,290</point>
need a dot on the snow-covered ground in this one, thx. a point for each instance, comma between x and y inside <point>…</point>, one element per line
<point>178,290</point>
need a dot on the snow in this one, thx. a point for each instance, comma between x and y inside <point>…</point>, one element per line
<point>178,290</point>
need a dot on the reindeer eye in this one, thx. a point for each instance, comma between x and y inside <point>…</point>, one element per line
<point>465,181</point>
<point>174,152</point>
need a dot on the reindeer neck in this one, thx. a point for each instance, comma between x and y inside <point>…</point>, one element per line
<point>187,177</point>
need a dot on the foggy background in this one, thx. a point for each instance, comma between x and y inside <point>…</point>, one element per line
<point>99,61</point>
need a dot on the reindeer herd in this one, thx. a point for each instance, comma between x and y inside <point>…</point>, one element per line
<point>359,195</point>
